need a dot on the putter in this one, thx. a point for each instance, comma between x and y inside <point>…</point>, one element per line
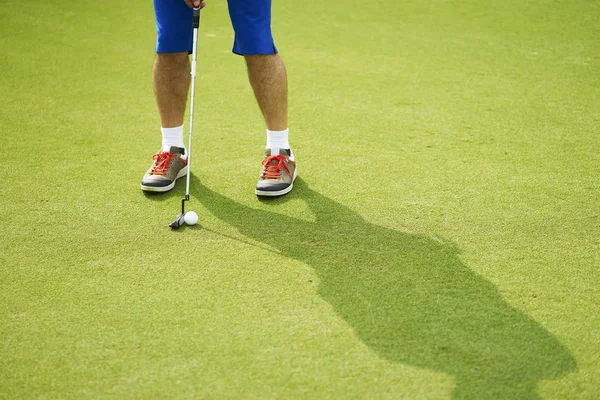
<point>179,221</point>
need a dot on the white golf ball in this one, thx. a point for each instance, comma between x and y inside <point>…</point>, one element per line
<point>190,218</point>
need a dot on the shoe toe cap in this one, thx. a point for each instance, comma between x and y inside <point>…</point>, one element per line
<point>272,187</point>
<point>156,182</point>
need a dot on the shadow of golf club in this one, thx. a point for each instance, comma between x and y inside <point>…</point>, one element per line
<point>408,297</point>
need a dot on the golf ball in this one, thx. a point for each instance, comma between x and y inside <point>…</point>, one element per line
<point>190,218</point>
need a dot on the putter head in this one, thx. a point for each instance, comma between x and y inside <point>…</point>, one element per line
<point>179,221</point>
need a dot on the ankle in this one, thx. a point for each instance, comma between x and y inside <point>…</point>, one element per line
<point>277,140</point>
<point>172,137</point>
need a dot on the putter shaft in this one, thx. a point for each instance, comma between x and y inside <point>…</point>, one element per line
<point>179,220</point>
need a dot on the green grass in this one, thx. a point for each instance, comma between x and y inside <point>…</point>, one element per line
<point>443,240</point>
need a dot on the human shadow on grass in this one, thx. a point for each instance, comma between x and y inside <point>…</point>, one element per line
<point>408,297</point>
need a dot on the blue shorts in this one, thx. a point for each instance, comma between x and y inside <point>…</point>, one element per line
<point>251,20</point>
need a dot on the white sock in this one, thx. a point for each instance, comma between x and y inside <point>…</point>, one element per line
<point>277,140</point>
<point>172,137</point>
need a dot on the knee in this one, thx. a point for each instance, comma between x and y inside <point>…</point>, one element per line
<point>261,59</point>
<point>172,58</point>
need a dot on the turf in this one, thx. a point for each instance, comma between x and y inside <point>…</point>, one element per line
<point>442,242</point>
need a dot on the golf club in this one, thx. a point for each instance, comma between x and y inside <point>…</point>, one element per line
<point>180,220</point>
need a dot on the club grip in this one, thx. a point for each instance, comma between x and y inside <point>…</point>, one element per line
<point>196,17</point>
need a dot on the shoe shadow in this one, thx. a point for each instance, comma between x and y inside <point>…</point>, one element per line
<point>408,297</point>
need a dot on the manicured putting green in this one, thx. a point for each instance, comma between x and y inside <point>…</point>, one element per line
<point>442,241</point>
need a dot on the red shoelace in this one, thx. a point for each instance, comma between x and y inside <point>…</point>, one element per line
<point>163,162</point>
<point>272,167</point>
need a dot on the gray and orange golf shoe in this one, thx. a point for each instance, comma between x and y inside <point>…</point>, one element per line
<point>168,166</point>
<point>278,174</point>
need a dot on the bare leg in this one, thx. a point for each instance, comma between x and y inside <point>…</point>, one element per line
<point>171,78</point>
<point>268,79</point>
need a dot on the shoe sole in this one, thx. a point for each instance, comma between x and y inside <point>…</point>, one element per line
<point>265,193</point>
<point>161,189</point>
